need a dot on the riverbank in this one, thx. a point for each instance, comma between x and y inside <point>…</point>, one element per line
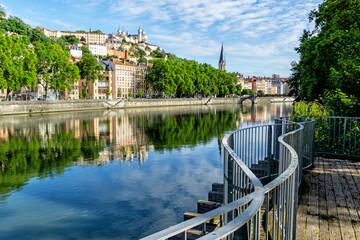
<point>32,107</point>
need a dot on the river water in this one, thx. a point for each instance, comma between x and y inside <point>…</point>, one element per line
<point>120,174</point>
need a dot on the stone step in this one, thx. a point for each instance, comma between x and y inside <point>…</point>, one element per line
<point>206,206</point>
<point>217,187</point>
<point>210,225</point>
<point>216,196</point>
<point>190,215</point>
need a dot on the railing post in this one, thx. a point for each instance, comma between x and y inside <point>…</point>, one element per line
<point>269,147</point>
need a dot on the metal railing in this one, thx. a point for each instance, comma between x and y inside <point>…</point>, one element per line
<point>337,136</point>
<point>262,172</point>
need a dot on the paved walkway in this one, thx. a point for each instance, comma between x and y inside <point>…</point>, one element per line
<point>329,204</point>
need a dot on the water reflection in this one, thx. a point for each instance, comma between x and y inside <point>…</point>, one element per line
<point>180,146</point>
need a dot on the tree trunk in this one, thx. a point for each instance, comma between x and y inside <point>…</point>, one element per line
<point>46,90</point>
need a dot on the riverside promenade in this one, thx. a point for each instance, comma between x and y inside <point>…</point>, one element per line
<point>329,201</point>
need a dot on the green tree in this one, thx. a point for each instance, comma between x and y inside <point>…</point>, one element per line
<point>54,67</point>
<point>2,12</point>
<point>66,40</point>
<point>130,93</point>
<point>140,92</point>
<point>18,61</point>
<point>247,92</point>
<point>85,49</point>
<point>119,93</point>
<point>260,93</point>
<point>147,48</point>
<point>37,35</point>
<point>97,31</point>
<point>108,93</point>
<point>84,93</point>
<point>90,69</point>
<point>142,60</point>
<point>329,54</point>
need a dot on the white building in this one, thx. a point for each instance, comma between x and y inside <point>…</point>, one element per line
<point>75,51</point>
<point>97,49</point>
<point>134,38</point>
<point>89,37</point>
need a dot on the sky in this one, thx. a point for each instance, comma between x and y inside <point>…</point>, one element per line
<point>259,36</point>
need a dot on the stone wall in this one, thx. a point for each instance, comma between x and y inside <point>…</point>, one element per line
<point>15,107</point>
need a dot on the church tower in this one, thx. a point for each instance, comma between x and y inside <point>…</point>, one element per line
<point>140,35</point>
<point>222,61</point>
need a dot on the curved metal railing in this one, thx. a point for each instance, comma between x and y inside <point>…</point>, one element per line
<point>252,157</point>
<point>262,172</point>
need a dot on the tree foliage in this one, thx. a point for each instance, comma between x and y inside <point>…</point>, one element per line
<point>188,78</point>
<point>66,40</point>
<point>329,56</point>
<point>247,92</point>
<point>18,61</point>
<point>54,67</point>
<point>260,93</point>
<point>2,12</point>
<point>89,68</point>
<point>142,60</point>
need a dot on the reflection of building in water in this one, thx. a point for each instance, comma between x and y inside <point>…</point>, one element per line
<point>264,112</point>
<point>125,131</point>
<point>5,132</point>
<point>129,140</point>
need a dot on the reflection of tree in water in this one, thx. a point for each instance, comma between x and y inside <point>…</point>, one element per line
<point>174,132</point>
<point>23,157</point>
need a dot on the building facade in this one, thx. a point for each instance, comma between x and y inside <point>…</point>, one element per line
<point>88,37</point>
<point>75,51</point>
<point>97,49</point>
<point>125,83</point>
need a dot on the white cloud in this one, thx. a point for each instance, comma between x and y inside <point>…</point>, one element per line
<point>31,22</point>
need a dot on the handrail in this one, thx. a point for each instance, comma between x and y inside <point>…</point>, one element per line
<point>254,199</point>
<point>276,153</point>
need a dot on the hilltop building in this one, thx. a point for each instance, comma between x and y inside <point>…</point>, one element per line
<point>88,37</point>
<point>134,38</point>
<point>222,61</point>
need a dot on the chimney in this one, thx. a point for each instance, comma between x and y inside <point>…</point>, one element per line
<point>126,55</point>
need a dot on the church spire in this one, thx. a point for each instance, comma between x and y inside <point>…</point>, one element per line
<point>222,61</point>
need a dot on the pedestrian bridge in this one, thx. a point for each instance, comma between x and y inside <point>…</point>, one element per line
<point>252,98</point>
<point>263,169</point>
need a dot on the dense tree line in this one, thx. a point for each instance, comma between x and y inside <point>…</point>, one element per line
<point>329,66</point>
<point>188,78</point>
<point>33,58</point>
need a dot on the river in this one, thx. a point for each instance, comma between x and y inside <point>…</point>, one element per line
<point>120,174</point>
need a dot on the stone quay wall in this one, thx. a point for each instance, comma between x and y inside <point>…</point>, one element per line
<point>31,107</point>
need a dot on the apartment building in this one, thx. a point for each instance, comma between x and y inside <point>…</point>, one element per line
<point>125,83</point>
<point>72,94</point>
<point>140,75</point>
<point>97,49</point>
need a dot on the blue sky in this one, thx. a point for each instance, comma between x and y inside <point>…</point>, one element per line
<point>259,35</point>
